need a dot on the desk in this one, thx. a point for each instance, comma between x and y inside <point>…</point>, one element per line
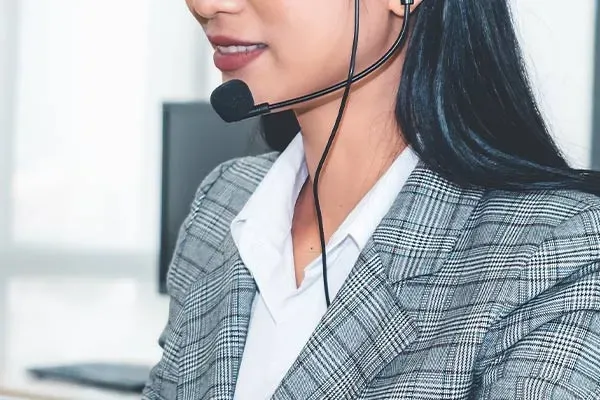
<point>29,389</point>
<point>6,394</point>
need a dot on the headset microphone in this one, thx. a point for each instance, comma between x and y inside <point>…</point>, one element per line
<point>233,100</point>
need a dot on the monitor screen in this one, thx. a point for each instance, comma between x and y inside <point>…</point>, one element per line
<point>195,141</point>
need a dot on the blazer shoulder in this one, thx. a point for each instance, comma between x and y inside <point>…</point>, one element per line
<point>219,198</point>
<point>519,225</point>
<point>575,234</point>
<point>551,306</point>
<point>241,172</point>
<point>545,210</point>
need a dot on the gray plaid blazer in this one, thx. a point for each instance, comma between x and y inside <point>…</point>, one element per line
<point>459,294</point>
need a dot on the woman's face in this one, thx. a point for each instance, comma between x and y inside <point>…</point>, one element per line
<point>287,48</point>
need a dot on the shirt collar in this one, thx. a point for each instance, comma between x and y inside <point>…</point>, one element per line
<point>270,209</point>
<point>366,216</point>
<point>266,218</point>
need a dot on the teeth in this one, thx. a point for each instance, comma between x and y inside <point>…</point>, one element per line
<point>238,49</point>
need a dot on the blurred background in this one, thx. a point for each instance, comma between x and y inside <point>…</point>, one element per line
<point>82,89</point>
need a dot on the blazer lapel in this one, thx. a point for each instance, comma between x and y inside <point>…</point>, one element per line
<point>219,314</point>
<point>364,329</point>
<point>367,326</point>
<point>424,224</point>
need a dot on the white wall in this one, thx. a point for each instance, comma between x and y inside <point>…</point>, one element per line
<point>8,33</point>
<point>180,68</point>
<point>92,76</point>
<point>7,71</point>
<point>559,46</point>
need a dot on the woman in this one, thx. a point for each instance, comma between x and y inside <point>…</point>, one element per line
<point>463,253</point>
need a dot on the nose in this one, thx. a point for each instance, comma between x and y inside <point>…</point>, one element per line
<point>209,9</point>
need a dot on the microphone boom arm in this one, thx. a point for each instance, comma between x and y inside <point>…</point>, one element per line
<point>265,108</point>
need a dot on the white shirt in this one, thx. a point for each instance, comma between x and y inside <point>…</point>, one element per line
<point>283,316</point>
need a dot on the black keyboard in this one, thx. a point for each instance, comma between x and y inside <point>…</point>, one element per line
<point>119,377</point>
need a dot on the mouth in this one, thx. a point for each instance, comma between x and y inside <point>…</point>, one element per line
<point>228,44</point>
<point>237,49</point>
<point>233,54</point>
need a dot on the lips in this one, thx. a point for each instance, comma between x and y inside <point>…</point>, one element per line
<point>233,54</point>
<point>239,48</point>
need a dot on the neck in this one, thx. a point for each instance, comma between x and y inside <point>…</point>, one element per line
<point>366,145</point>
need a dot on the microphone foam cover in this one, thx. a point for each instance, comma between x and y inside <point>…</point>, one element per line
<point>232,100</point>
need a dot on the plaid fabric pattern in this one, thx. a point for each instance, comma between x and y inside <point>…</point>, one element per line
<point>459,294</point>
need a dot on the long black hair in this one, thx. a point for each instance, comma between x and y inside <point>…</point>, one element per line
<point>466,106</point>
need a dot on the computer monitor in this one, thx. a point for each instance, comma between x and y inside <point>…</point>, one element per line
<point>195,141</point>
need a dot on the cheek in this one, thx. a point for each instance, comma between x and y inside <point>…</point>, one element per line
<point>310,46</point>
<point>307,55</point>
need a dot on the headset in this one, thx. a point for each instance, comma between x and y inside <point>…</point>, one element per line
<point>233,101</point>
